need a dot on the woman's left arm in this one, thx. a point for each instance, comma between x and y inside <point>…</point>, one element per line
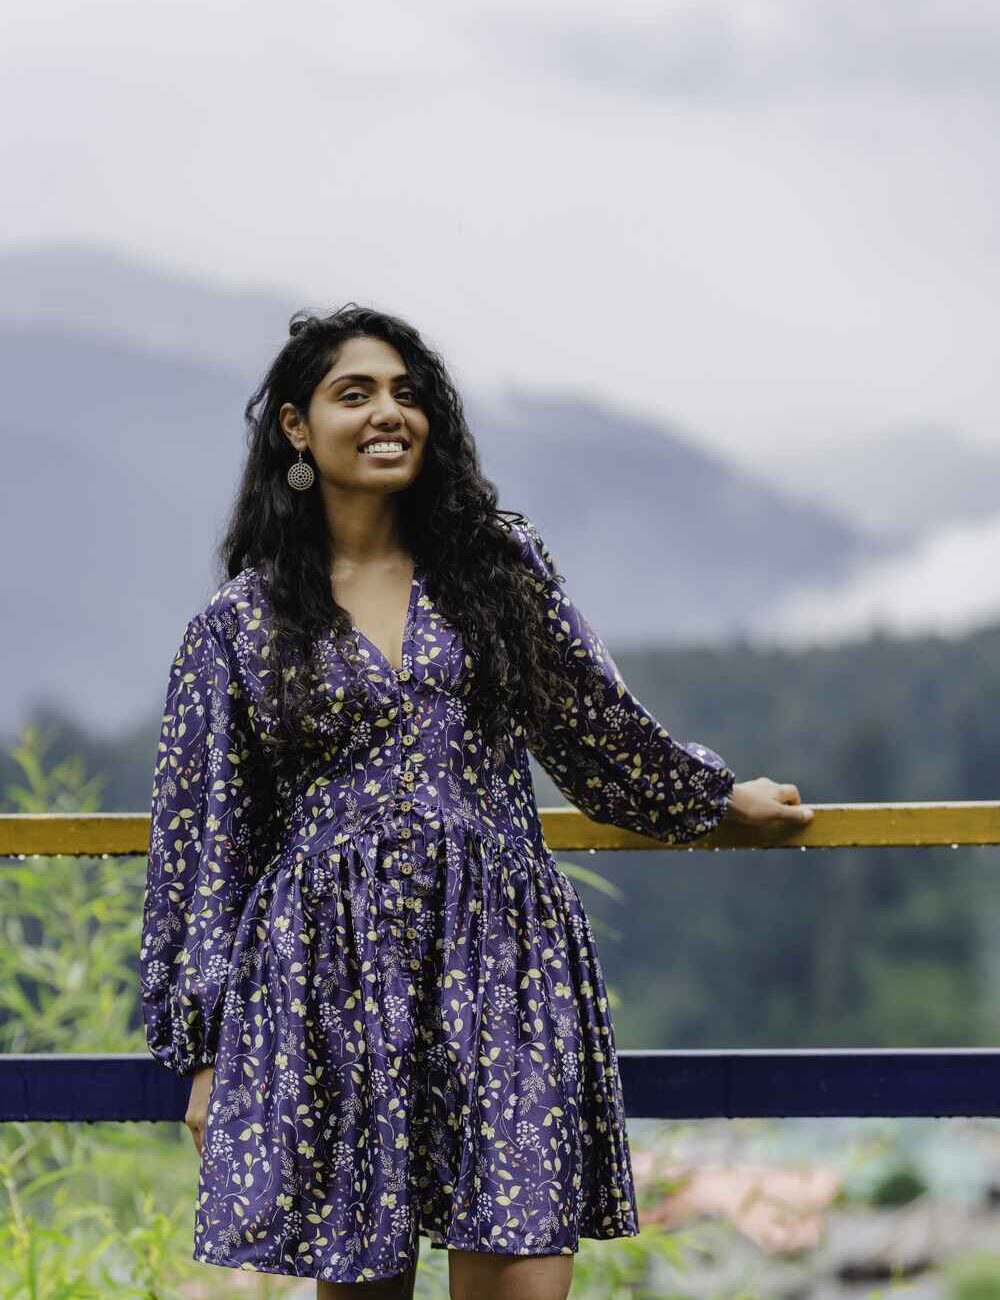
<point>610,756</point>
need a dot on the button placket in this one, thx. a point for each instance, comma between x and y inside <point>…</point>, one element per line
<point>409,727</point>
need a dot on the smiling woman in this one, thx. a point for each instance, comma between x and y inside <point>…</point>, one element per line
<point>356,941</point>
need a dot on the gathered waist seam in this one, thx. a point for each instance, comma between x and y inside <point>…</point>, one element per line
<point>383,817</point>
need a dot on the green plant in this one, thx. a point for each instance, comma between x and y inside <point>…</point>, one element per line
<point>623,1269</point>
<point>898,1185</point>
<point>70,930</point>
<point>975,1278</point>
<point>85,1209</point>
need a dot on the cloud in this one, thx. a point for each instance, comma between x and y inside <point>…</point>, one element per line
<point>945,586</point>
<point>735,51</point>
<point>796,271</point>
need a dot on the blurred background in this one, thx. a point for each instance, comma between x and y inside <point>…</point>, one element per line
<point>717,282</point>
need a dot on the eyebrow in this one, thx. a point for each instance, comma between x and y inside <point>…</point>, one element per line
<point>364,379</point>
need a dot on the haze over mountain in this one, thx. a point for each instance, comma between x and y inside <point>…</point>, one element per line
<point>945,585</point>
<point>904,483</point>
<point>123,422</point>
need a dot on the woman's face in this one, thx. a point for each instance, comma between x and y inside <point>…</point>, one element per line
<point>366,397</point>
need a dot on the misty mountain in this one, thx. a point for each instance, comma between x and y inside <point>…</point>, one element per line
<point>661,542</point>
<point>124,437</point>
<point>905,484</point>
<point>97,290</point>
<point>942,585</point>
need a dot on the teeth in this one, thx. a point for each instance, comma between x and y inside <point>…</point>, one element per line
<point>382,446</point>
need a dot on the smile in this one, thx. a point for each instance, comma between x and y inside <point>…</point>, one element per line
<point>384,448</point>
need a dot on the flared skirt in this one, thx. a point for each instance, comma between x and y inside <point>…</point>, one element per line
<point>415,1039</point>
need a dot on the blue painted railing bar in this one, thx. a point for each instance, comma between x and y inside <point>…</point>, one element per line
<point>939,1082</point>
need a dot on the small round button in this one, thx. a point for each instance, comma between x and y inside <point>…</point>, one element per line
<point>405,806</point>
<point>407,706</point>
<point>409,740</point>
<point>405,833</point>
<point>404,674</point>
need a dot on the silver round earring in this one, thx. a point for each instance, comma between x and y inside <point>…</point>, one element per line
<point>300,475</point>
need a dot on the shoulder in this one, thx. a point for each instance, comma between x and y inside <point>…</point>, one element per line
<point>237,593</point>
<point>532,547</point>
<point>236,607</point>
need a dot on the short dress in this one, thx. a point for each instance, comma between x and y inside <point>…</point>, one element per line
<point>398,989</point>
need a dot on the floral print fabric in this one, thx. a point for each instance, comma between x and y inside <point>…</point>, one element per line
<point>399,991</point>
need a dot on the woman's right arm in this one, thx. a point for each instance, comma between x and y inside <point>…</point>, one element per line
<point>200,865</point>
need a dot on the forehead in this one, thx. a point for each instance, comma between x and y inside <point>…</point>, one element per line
<point>374,356</point>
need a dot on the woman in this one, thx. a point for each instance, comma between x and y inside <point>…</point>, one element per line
<point>355,941</point>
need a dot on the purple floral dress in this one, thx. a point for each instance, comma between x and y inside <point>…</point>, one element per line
<point>399,990</point>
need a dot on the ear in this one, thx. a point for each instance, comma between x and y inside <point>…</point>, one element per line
<point>293,426</point>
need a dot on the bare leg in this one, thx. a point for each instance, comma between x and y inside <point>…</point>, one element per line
<point>399,1287</point>
<point>478,1275</point>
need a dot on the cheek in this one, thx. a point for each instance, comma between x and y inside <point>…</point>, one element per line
<point>338,432</point>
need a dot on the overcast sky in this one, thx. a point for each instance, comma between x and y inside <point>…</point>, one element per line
<point>774,224</point>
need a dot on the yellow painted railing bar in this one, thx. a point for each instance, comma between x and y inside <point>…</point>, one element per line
<point>852,825</point>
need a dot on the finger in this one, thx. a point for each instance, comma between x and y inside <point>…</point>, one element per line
<point>791,812</point>
<point>789,793</point>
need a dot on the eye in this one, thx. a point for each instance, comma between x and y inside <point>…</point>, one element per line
<point>356,392</point>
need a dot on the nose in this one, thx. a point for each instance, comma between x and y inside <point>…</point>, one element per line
<point>387,413</point>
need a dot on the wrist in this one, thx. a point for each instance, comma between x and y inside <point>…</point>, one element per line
<point>734,805</point>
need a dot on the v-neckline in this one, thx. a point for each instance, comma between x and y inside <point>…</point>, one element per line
<point>407,627</point>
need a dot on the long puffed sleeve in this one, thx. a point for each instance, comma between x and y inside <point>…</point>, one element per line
<point>201,858</point>
<point>604,750</point>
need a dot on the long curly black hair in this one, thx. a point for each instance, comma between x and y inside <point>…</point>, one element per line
<point>449,521</point>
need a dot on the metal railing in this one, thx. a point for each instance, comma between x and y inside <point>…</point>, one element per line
<point>657,1084</point>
